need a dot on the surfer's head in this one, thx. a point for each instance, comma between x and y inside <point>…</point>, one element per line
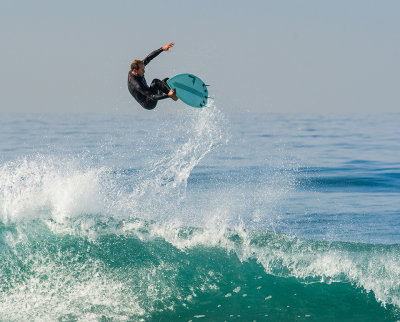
<point>137,67</point>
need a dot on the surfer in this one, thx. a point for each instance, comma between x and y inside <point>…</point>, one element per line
<point>148,96</point>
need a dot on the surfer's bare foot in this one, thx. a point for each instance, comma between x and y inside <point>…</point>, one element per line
<point>172,94</point>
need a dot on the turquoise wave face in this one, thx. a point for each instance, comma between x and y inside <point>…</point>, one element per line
<point>88,268</point>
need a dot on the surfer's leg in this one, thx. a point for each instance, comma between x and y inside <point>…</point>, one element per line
<point>159,86</point>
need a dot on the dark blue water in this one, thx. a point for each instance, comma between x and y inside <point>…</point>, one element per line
<point>198,215</point>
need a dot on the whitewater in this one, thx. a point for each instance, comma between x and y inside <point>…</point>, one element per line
<point>198,215</point>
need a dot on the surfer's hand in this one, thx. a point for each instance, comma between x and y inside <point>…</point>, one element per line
<point>168,46</point>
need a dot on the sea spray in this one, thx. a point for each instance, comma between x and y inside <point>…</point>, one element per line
<point>49,186</point>
<point>36,187</point>
<point>163,183</point>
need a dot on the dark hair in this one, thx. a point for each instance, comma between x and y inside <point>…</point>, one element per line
<point>136,64</point>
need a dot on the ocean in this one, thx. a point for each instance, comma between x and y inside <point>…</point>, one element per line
<point>199,215</point>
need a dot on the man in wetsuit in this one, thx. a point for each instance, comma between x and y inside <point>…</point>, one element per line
<point>148,96</point>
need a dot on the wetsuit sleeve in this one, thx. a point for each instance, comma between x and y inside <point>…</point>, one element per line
<point>152,55</point>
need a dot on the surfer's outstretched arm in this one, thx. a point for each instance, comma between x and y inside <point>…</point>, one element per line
<point>158,51</point>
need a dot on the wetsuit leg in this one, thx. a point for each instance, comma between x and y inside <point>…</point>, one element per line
<point>149,105</point>
<point>157,86</point>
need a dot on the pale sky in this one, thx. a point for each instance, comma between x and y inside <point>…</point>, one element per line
<point>308,56</point>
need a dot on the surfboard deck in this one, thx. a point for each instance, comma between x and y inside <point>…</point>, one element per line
<point>190,89</point>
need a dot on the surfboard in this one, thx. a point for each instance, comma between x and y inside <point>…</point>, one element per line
<point>190,89</point>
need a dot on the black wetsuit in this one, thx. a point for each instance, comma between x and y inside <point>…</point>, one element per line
<point>147,96</point>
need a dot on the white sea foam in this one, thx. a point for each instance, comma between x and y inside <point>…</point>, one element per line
<point>40,187</point>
